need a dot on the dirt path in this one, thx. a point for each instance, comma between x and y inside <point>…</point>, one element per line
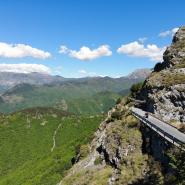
<point>54,135</point>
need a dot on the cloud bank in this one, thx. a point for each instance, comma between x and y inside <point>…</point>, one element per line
<point>86,53</point>
<point>25,68</point>
<point>168,32</point>
<point>21,50</point>
<point>84,73</point>
<point>137,49</point>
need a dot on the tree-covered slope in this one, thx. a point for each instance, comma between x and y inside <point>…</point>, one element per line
<point>90,95</point>
<point>37,145</point>
<point>82,97</point>
<point>76,99</point>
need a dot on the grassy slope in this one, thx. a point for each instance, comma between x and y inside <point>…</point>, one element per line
<point>26,142</point>
<point>122,131</point>
<point>98,103</point>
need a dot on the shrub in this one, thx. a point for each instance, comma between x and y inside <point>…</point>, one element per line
<point>116,115</point>
<point>84,150</point>
<point>118,101</point>
<point>131,121</point>
<point>158,67</point>
<point>182,128</point>
<point>135,89</point>
<point>177,163</point>
<point>98,161</point>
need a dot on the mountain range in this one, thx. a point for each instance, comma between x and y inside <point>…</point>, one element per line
<point>10,79</point>
<point>89,95</point>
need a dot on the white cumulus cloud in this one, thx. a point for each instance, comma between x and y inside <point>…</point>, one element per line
<point>25,68</point>
<point>142,39</point>
<point>84,73</point>
<point>21,50</point>
<point>168,32</point>
<point>86,53</point>
<point>136,49</point>
<point>57,70</point>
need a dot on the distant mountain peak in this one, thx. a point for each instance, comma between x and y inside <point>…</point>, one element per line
<point>140,73</point>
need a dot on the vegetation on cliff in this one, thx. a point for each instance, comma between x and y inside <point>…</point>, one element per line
<point>116,153</point>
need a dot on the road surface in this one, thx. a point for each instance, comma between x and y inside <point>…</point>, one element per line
<point>167,131</point>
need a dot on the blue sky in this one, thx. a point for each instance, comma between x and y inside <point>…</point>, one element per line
<point>99,27</point>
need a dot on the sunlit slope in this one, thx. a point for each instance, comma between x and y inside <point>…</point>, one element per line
<point>37,145</point>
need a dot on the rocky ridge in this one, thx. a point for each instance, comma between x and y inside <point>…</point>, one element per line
<point>115,154</point>
<point>164,89</point>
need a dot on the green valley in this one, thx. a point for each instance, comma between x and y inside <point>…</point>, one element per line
<point>37,145</point>
<point>45,123</point>
<point>89,96</point>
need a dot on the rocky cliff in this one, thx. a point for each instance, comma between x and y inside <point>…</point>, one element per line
<point>164,89</point>
<point>116,154</point>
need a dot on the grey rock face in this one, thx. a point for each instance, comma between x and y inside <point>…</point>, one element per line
<point>170,103</point>
<point>180,35</point>
<point>164,90</point>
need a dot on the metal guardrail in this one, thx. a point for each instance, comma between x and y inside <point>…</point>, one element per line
<point>161,132</point>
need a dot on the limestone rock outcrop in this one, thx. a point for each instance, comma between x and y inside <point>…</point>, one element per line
<point>164,89</point>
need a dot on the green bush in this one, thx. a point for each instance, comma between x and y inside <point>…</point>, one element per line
<point>135,89</point>
<point>118,101</point>
<point>116,115</point>
<point>98,161</point>
<point>158,67</point>
<point>131,121</point>
<point>177,163</point>
<point>84,150</point>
